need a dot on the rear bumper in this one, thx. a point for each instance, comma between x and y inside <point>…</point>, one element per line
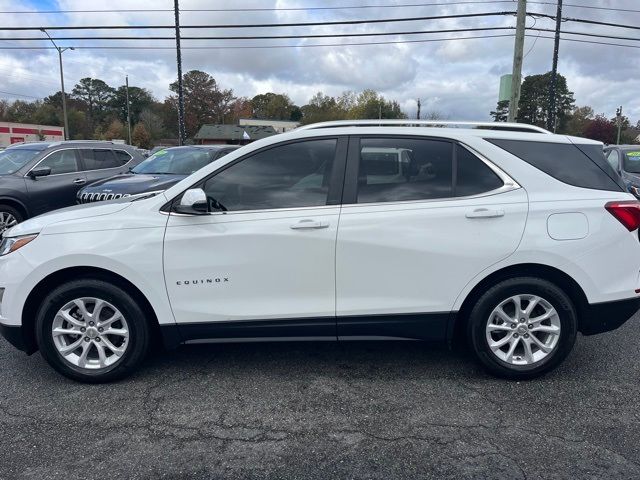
<point>606,316</point>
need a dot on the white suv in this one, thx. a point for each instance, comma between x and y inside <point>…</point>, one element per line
<point>506,233</point>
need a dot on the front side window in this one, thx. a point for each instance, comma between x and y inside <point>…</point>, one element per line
<point>62,161</point>
<point>285,176</point>
<point>99,159</point>
<point>401,169</point>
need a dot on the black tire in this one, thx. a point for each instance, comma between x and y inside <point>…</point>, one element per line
<point>11,211</point>
<point>480,316</point>
<point>139,332</point>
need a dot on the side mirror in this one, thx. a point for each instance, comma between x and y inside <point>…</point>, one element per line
<point>193,202</point>
<point>40,172</point>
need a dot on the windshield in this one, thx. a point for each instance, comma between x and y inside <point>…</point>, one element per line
<point>632,161</point>
<point>174,161</point>
<point>13,159</point>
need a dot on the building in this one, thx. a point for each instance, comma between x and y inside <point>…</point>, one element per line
<point>232,134</point>
<point>24,132</point>
<point>280,126</point>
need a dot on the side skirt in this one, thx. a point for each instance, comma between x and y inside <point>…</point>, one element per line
<point>432,327</point>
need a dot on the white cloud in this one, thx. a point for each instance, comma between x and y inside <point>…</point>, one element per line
<point>458,78</point>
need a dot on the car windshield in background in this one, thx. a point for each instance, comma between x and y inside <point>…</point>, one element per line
<point>174,161</point>
<point>13,159</point>
<point>632,161</point>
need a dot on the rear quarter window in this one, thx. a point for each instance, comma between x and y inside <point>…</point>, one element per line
<point>578,165</point>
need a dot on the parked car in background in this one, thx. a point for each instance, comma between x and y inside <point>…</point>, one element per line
<point>625,159</point>
<point>157,173</point>
<point>42,176</point>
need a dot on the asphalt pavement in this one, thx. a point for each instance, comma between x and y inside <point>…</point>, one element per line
<point>324,410</point>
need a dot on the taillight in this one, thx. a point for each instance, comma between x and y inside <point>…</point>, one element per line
<point>627,213</point>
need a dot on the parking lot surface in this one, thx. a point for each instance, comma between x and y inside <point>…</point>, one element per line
<point>323,410</point>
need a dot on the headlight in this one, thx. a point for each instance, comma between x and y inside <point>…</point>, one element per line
<point>635,190</point>
<point>11,244</point>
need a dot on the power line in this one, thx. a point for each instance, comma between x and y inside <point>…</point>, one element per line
<point>273,9</point>
<point>591,7</point>
<point>294,9</point>
<point>270,25</point>
<point>129,47</point>
<point>18,95</point>
<point>268,37</point>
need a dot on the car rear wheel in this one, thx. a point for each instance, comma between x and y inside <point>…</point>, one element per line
<point>522,328</point>
<point>92,331</point>
<point>9,217</point>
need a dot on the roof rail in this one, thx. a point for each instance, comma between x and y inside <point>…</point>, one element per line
<point>511,127</point>
<point>62,142</point>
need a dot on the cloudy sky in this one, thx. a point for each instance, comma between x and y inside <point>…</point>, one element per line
<point>458,78</point>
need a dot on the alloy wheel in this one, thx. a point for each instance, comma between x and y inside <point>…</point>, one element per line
<point>6,221</point>
<point>523,329</point>
<point>90,333</point>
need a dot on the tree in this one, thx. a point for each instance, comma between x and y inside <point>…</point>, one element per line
<point>141,137</point>
<point>578,121</point>
<point>204,101</point>
<point>272,106</point>
<point>240,108</point>
<point>534,100</point>
<point>322,108</point>
<point>371,105</point>
<point>602,129</point>
<point>116,130</point>
<point>139,100</point>
<point>501,113</point>
<point>152,123</point>
<point>96,95</point>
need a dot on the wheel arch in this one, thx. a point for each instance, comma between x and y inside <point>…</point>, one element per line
<point>33,301</point>
<point>17,204</point>
<point>546,272</point>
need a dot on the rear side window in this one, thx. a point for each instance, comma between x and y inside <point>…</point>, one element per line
<point>578,165</point>
<point>404,169</point>
<point>99,159</point>
<point>122,157</point>
<point>474,176</point>
<point>401,169</point>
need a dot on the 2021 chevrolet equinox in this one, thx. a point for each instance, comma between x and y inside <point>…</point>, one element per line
<point>345,230</point>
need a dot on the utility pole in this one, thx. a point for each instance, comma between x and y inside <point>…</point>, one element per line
<point>64,95</point>
<point>551,117</point>
<point>419,105</point>
<point>182,136</point>
<point>128,114</point>
<point>516,75</point>
<point>619,121</point>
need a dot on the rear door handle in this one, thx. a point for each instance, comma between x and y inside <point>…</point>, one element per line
<point>308,224</point>
<point>485,213</point>
<point>79,181</point>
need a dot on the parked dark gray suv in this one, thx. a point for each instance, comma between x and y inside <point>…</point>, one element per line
<point>42,176</point>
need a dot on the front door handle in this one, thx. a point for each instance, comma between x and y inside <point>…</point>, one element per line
<point>308,223</point>
<point>79,181</point>
<point>485,213</point>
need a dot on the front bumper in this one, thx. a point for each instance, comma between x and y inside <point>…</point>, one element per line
<point>607,316</point>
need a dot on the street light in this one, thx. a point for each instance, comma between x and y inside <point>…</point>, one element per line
<point>64,96</point>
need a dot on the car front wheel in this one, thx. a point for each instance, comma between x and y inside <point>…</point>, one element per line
<point>522,328</point>
<point>92,331</point>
